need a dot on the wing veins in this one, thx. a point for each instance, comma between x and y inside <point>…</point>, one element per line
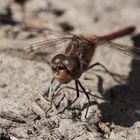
<point>45,44</point>
<point>133,52</point>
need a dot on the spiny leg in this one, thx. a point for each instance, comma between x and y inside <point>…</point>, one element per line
<point>77,96</point>
<point>86,96</point>
<point>53,98</point>
<point>45,95</point>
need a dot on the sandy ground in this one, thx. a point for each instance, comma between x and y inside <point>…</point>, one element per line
<point>114,111</point>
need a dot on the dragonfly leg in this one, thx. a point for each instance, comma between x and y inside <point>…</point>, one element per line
<point>77,96</point>
<point>53,95</point>
<point>106,70</point>
<point>46,93</point>
<point>86,96</point>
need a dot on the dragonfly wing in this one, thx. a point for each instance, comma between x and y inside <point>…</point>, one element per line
<point>22,34</point>
<point>128,50</point>
<point>48,43</point>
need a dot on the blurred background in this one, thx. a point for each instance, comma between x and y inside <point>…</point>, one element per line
<point>91,16</point>
<point>116,105</point>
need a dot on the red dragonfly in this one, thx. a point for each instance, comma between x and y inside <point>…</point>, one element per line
<point>78,54</point>
<point>77,57</point>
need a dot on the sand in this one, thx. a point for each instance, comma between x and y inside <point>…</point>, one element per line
<point>114,111</point>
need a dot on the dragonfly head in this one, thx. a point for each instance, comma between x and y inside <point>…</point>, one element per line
<point>65,68</point>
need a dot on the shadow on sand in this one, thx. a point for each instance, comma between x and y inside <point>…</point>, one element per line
<point>124,106</point>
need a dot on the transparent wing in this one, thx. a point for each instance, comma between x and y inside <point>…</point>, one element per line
<point>52,38</point>
<point>46,30</point>
<point>24,35</point>
<point>36,47</point>
<point>128,50</point>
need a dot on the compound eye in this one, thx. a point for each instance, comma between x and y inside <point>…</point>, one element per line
<point>71,63</point>
<point>58,59</point>
<point>66,62</point>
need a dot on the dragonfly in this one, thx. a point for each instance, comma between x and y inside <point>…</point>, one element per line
<point>77,56</point>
